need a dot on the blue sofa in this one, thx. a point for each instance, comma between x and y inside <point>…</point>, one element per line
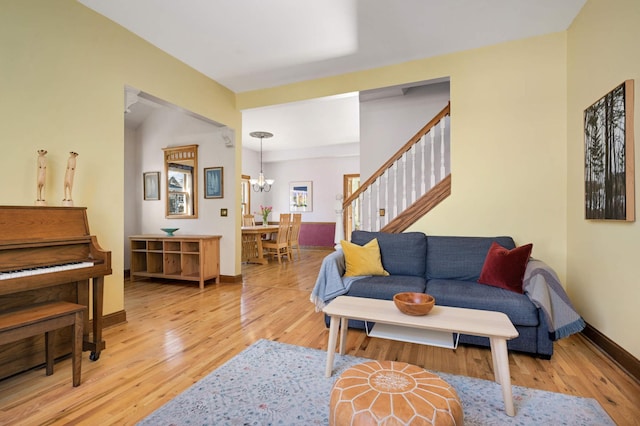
<point>448,268</point>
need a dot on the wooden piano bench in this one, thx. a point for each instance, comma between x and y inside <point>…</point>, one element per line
<point>17,324</point>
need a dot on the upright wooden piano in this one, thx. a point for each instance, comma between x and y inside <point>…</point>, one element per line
<point>47,253</point>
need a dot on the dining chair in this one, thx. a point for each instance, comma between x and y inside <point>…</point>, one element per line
<point>294,234</point>
<point>248,220</point>
<point>280,245</point>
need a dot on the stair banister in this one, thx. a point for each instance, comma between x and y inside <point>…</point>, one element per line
<point>390,162</point>
<point>389,172</point>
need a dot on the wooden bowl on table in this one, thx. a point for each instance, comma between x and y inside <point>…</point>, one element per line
<point>414,303</point>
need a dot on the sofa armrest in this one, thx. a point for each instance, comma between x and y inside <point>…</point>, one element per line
<point>543,287</point>
<point>329,283</point>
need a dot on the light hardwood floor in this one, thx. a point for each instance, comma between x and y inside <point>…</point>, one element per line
<point>177,334</point>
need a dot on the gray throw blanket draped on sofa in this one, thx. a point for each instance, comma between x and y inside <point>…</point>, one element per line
<point>542,286</point>
<point>330,282</point>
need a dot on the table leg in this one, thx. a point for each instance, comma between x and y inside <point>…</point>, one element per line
<point>247,247</point>
<point>261,258</point>
<point>496,370</point>
<point>331,345</point>
<point>501,372</point>
<point>344,323</point>
<point>252,248</point>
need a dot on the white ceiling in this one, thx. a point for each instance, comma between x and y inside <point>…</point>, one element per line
<point>331,122</point>
<point>254,44</point>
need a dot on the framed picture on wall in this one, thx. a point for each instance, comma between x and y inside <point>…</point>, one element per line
<point>609,156</point>
<point>213,182</point>
<point>151,185</point>
<point>301,196</point>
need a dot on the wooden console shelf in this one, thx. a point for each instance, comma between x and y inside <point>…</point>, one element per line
<point>184,257</point>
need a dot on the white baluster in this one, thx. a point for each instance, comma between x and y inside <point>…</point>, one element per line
<point>433,164</point>
<point>404,181</point>
<point>386,197</point>
<point>413,174</point>
<point>368,196</point>
<point>364,220</point>
<point>423,184</point>
<point>370,208</point>
<point>395,189</point>
<point>360,211</point>
<point>377,209</point>
<point>442,122</point>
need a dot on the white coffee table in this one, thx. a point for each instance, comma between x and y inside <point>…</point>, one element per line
<point>428,329</point>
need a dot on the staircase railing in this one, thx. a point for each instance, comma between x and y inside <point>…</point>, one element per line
<point>409,184</point>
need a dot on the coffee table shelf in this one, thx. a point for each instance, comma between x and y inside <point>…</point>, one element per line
<point>440,339</point>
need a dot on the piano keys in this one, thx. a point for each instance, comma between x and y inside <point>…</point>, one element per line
<point>6,275</point>
<point>48,253</point>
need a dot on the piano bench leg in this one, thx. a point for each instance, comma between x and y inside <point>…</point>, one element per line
<point>49,345</point>
<point>18,324</point>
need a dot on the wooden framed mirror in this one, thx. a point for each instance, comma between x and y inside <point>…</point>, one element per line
<point>181,186</point>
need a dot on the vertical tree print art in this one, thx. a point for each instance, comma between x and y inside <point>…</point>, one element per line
<point>609,158</point>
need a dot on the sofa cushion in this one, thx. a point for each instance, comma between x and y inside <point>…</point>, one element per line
<point>402,254</point>
<point>362,260</point>
<point>459,258</point>
<point>466,294</point>
<point>385,287</point>
<point>505,268</point>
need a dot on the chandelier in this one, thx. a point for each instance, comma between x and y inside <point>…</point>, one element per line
<point>261,184</point>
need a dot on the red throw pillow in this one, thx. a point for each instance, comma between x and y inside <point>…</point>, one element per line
<point>505,268</point>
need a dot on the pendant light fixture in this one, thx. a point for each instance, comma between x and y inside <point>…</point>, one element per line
<point>261,184</point>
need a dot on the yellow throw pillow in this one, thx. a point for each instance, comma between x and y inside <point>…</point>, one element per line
<point>362,260</point>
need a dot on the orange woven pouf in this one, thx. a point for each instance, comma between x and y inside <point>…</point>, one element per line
<point>393,393</point>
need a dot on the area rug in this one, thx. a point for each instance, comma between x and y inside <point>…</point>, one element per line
<point>272,383</point>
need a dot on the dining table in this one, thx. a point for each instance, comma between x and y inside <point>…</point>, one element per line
<point>252,242</point>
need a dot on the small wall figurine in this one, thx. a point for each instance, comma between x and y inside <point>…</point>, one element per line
<point>68,179</point>
<point>42,177</point>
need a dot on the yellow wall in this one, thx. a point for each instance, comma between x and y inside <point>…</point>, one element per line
<point>62,77</point>
<point>508,105</point>
<point>603,256</point>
